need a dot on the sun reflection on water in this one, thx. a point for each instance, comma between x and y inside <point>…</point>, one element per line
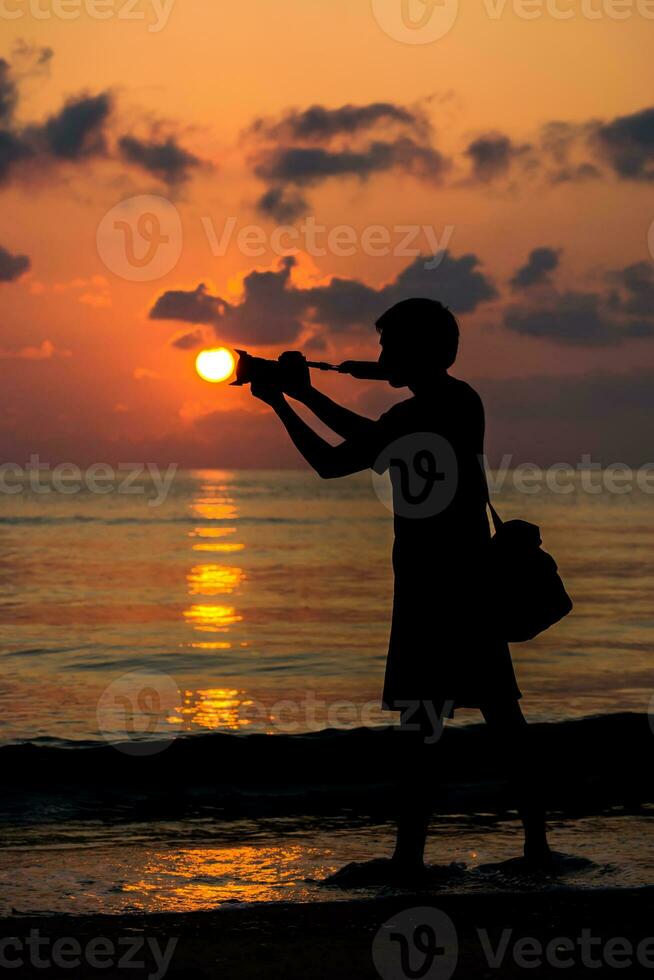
<point>195,878</point>
<point>213,503</point>
<point>213,708</point>
<point>214,579</point>
<point>211,619</point>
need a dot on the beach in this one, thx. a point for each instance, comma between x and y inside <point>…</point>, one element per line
<point>536,934</point>
<point>192,741</point>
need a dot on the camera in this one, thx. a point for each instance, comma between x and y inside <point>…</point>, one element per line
<point>291,364</point>
<point>260,370</point>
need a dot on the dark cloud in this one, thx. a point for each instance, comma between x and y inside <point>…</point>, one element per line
<point>273,310</point>
<point>188,341</point>
<point>622,311</point>
<point>8,93</point>
<point>456,282</point>
<point>627,143</point>
<point>303,148</point>
<point>282,205</point>
<point>310,165</point>
<point>74,133</point>
<point>582,151</point>
<point>80,130</point>
<point>12,266</point>
<point>77,130</point>
<point>267,314</point>
<point>165,159</point>
<point>536,270</point>
<point>634,292</point>
<point>12,151</point>
<point>492,155</point>
<point>306,147</point>
<point>320,124</point>
<point>192,306</point>
<point>575,172</point>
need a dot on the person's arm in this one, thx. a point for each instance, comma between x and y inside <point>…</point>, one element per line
<point>328,461</point>
<point>339,419</point>
<point>298,385</point>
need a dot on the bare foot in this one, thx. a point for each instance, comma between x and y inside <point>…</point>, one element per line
<point>540,857</point>
<point>380,871</point>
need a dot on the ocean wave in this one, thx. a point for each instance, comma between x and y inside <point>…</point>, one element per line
<point>592,765</point>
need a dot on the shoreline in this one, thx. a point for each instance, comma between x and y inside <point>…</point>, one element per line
<point>335,939</point>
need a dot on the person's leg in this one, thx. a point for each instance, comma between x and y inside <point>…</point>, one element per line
<point>515,745</point>
<point>420,730</point>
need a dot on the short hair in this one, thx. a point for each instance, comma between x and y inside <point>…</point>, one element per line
<point>427,323</point>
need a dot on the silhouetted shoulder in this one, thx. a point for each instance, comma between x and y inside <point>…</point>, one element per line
<point>464,391</point>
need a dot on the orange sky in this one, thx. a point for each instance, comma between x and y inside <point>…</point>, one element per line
<point>109,385</point>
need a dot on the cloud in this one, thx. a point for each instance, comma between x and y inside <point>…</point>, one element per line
<point>535,271</point>
<point>310,165</point>
<point>491,156</point>
<point>566,152</point>
<point>93,291</point>
<point>267,314</point>
<point>621,311</point>
<point>274,310</point>
<point>282,205</point>
<point>165,159</point>
<point>8,93</point>
<point>45,352</point>
<point>187,340</point>
<point>627,143</point>
<point>77,130</point>
<point>82,129</point>
<point>320,124</point>
<point>75,133</point>
<point>12,266</point>
<point>304,148</point>
<point>583,150</point>
<point>634,290</point>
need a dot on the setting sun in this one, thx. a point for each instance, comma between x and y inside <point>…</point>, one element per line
<point>215,365</point>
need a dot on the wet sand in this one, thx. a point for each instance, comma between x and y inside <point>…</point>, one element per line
<point>334,940</point>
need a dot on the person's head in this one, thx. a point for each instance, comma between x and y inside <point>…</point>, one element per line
<point>419,339</point>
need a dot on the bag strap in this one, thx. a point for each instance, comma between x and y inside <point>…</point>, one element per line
<point>497,520</point>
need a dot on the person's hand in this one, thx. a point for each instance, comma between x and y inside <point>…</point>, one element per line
<point>296,377</point>
<point>271,394</point>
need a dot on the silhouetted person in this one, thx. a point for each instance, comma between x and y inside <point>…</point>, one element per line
<point>442,653</point>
